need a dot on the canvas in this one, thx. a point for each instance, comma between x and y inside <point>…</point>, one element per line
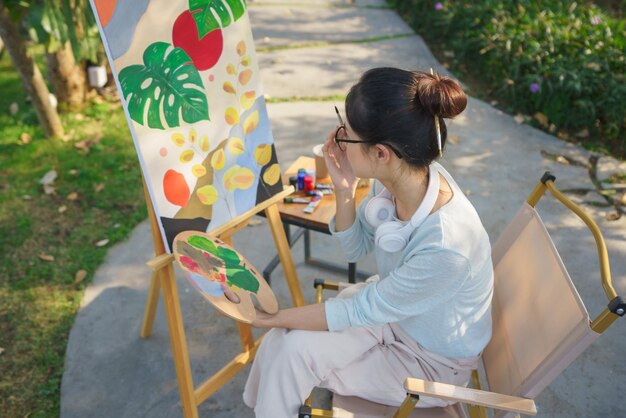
<point>188,76</point>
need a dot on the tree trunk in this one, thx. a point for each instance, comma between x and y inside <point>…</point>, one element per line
<point>67,78</point>
<point>34,82</point>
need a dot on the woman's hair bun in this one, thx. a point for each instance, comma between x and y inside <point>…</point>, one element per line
<point>440,95</point>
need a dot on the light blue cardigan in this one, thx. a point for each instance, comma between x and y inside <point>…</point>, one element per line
<point>438,288</point>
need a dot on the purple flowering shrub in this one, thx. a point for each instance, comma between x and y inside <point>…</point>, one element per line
<point>557,57</point>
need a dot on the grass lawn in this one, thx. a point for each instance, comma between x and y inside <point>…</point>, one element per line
<point>98,196</point>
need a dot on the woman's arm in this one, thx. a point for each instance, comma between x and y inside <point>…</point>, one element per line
<point>309,317</point>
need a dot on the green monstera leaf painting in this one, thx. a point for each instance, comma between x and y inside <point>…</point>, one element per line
<point>204,12</point>
<point>168,85</point>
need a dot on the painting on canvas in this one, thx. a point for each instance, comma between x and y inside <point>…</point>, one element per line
<point>188,76</point>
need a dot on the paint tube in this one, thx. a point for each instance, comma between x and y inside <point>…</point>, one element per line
<point>296,200</point>
<point>316,201</point>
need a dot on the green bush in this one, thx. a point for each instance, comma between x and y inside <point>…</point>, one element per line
<point>563,59</point>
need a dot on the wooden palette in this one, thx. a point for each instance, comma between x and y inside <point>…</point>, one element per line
<point>208,262</point>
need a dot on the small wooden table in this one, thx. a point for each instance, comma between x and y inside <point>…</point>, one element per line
<point>293,214</point>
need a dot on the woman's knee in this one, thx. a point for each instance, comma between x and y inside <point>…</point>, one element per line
<point>300,345</point>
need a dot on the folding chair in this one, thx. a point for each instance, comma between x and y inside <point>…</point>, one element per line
<point>540,325</point>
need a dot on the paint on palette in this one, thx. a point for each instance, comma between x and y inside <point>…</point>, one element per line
<point>216,263</point>
<point>209,263</point>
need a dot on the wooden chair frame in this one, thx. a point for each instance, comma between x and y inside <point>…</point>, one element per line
<point>476,399</point>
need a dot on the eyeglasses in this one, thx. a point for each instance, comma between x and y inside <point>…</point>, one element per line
<point>341,135</point>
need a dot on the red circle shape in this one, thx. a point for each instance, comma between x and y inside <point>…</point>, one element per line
<point>203,52</point>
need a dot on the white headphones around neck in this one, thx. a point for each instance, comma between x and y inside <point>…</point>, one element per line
<point>391,235</point>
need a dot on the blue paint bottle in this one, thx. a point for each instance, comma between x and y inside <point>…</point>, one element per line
<point>301,175</point>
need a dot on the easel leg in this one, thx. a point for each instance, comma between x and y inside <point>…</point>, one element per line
<point>178,341</point>
<point>151,305</point>
<point>284,253</point>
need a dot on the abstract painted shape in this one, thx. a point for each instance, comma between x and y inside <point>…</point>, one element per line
<point>105,10</point>
<point>120,28</point>
<point>204,51</point>
<point>263,154</point>
<point>175,188</point>
<point>207,194</point>
<point>272,174</point>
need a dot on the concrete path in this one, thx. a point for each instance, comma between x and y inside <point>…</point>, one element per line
<point>111,372</point>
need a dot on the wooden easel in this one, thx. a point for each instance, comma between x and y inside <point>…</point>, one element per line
<point>163,278</point>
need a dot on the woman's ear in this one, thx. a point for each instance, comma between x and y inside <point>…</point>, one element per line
<point>382,153</point>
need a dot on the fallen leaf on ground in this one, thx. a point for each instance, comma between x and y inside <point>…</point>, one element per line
<point>552,128</point>
<point>14,108</point>
<point>1,350</point>
<point>62,208</point>
<point>467,192</point>
<point>27,197</point>
<point>25,138</point>
<point>80,276</point>
<point>102,242</point>
<point>454,139</point>
<point>254,222</point>
<point>541,118</point>
<point>562,135</point>
<point>612,216</point>
<point>46,257</point>
<point>73,171</point>
<point>519,118</point>
<point>448,54</point>
<point>562,160</point>
<point>49,177</point>
<point>99,187</point>
<point>583,134</point>
<point>72,196</point>
<point>86,144</point>
<point>47,189</point>
<point>79,116</point>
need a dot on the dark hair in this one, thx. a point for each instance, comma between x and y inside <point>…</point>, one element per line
<point>397,108</point>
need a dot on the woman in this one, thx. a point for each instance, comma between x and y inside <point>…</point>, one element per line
<point>429,314</point>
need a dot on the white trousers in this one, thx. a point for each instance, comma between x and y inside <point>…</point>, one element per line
<point>371,363</point>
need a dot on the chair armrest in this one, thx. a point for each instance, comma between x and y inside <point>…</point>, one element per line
<point>321,284</point>
<point>470,396</point>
